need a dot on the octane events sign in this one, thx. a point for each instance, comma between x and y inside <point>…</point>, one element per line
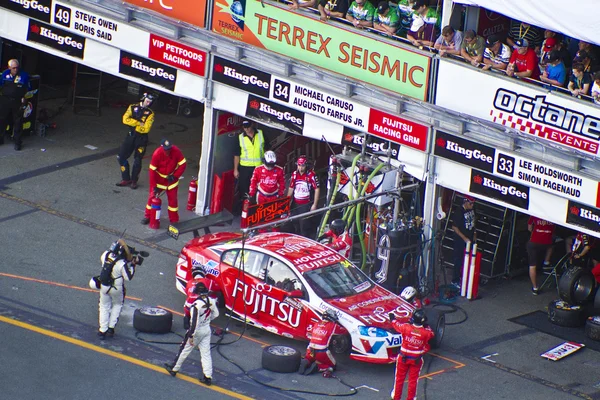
<point>190,11</point>
<point>177,55</point>
<point>337,49</point>
<point>523,107</point>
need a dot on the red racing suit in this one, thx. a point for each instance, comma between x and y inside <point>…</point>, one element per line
<point>163,164</point>
<point>267,184</point>
<point>342,243</point>
<point>415,343</point>
<point>302,185</point>
<point>318,348</point>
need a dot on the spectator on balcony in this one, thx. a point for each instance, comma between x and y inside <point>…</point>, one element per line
<point>472,48</point>
<point>596,88</point>
<point>386,19</point>
<point>580,81</point>
<point>296,4</point>
<point>547,46</point>
<point>555,72</point>
<point>332,8</point>
<point>589,50</point>
<point>449,41</point>
<point>424,24</point>
<point>523,61</point>
<point>496,55</point>
<point>585,58</point>
<point>361,14</point>
<point>405,12</point>
<point>565,56</point>
<point>522,30</point>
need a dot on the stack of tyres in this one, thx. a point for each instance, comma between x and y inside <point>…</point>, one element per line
<point>592,325</point>
<point>576,288</point>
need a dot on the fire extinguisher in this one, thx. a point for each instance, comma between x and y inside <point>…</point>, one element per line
<point>245,206</point>
<point>155,205</point>
<point>192,194</point>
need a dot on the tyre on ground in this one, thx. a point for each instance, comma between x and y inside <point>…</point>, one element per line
<point>576,285</point>
<point>562,313</point>
<point>437,322</point>
<point>152,320</point>
<point>592,327</point>
<point>279,358</point>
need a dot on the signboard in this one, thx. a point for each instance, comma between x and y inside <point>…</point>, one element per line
<point>492,23</point>
<point>260,214</point>
<point>275,114</point>
<point>242,77</point>
<point>500,189</point>
<point>464,151</point>
<point>398,130</point>
<point>100,28</point>
<point>375,145</point>
<point>584,216</point>
<point>529,109</point>
<point>147,70</point>
<point>562,350</point>
<point>38,9</point>
<point>190,11</point>
<point>340,50</point>
<point>51,36</point>
<point>177,55</point>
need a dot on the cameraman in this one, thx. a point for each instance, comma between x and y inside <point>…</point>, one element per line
<point>139,118</point>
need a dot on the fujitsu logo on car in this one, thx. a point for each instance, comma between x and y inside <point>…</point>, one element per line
<point>505,190</point>
<point>35,5</point>
<point>245,79</point>
<point>467,153</point>
<point>280,115</point>
<point>66,40</point>
<point>140,66</point>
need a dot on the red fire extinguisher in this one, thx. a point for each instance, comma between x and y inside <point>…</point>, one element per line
<point>155,205</point>
<point>244,220</point>
<point>192,194</point>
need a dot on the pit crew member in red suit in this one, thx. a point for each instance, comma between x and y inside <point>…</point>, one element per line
<point>318,355</point>
<point>166,167</point>
<point>415,343</point>
<point>410,294</point>
<point>302,182</point>
<point>268,180</point>
<point>340,238</point>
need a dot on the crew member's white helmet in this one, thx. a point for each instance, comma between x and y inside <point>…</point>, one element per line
<point>409,293</point>
<point>270,158</point>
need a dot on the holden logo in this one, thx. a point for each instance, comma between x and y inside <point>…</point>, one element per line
<point>219,68</point>
<point>126,61</point>
<point>35,29</point>
<point>574,210</point>
<point>441,142</point>
<point>255,104</point>
<point>477,179</point>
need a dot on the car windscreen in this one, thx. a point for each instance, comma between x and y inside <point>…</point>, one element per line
<point>337,280</point>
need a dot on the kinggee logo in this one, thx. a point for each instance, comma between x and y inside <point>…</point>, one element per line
<point>140,66</point>
<point>245,79</point>
<point>34,5</point>
<point>504,190</point>
<point>466,153</point>
<point>586,214</point>
<point>280,115</point>
<point>374,145</point>
<point>60,39</point>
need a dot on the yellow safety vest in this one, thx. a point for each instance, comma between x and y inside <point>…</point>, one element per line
<point>252,152</point>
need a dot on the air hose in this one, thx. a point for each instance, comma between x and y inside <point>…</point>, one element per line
<point>331,201</point>
<point>358,215</point>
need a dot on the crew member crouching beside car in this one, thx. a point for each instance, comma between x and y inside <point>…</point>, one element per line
<point>318,355</point>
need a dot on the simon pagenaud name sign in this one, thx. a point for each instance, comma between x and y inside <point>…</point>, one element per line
<point>518,169</point>
<point>321,104</point>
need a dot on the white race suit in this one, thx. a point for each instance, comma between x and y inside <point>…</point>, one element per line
<point>112,297</point>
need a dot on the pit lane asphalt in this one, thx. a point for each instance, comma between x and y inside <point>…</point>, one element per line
<point>59,209</point>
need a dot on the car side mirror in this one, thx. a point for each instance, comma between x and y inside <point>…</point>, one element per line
<point>296,293</point>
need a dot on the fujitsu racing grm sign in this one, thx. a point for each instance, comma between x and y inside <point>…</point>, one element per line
<point>38,9</point>
<point>47,35</point>
<point>500,189</point>
<point>464,151</point>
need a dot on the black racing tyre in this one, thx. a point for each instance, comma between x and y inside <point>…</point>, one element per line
<point>437,322</point>
<point>576,286</point>
<point>597,302</point>
<point>152,320</point>
<point>279,358</point>
<point>340,344</point>
<point>592,328</point>
<point>563,314</point>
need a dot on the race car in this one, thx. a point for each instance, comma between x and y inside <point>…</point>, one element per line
<point>282,283</point>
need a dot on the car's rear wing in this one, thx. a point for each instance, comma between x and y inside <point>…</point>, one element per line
<point>203,222</point>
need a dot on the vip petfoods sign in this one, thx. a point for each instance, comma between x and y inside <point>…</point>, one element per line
<point>526,108</point>
<point>340,50</point>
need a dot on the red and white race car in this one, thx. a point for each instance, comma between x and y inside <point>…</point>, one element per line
<point>282,283</point>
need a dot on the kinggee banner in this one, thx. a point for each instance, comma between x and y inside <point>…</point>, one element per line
<point>340,50</point>
<point>39,9</point>
<point>51,36</point>
<point>517,105</point>
<point>582,215</point>
<point>500,189</point>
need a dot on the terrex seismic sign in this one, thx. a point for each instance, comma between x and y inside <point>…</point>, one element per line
<point>38,9</point>
<point>56,38</point>
<point>581,215</point>
<point>464,151</point>
<point>321,104</point>
<point>177,55</point>
<point>275,114</point>
<point>500,189</point>
<point>343,51</point>
<point>147,70</point>
<point>354,139</point>
<point>547,178</point>
<point>190,11</point>
<point>398,130</point>
<point>241,77</point>
<point>523,107</point>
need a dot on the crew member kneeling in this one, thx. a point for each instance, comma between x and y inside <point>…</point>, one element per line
<point>415,343</point>
<point>317,352</point>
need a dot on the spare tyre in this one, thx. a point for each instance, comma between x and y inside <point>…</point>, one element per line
<point>563,314</point>
<point>152,320</point>
<point>592,327</point>
<point>279,358</point>
<point>576,286</point>
<point>437,322</point>
<point>596,303</point>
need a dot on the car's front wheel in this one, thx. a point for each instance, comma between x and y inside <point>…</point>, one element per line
<point>340,344</point>
<point>437,323</point>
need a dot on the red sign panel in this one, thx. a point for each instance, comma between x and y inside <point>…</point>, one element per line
<point>398,130</point>
<point>178,55</point>
<point>190,11</point>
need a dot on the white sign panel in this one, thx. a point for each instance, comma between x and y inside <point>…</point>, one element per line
<point>547,178</point>
<point>100,28</point>
<point>319,103</point>
<point>520,106</point>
